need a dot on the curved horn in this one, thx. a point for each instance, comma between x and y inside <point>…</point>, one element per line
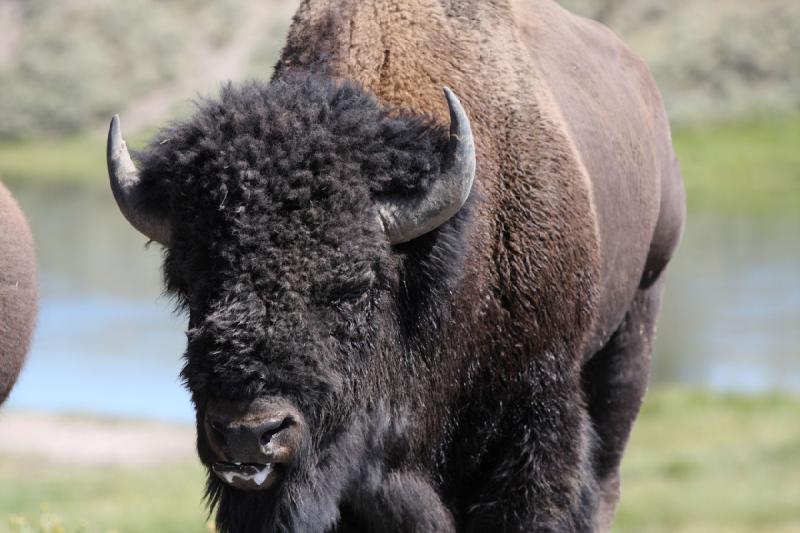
<point>405,219</point>
<point>126,186</point>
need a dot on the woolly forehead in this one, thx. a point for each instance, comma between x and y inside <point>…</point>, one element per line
<point>286,173</point>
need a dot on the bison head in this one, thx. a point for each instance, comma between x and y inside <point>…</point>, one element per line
<point>287,211</point>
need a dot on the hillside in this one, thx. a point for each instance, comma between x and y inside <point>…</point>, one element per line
<point>713,59</point>
<point>65,65</point>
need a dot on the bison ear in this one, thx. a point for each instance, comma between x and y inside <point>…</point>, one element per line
<point>126,184</point>
<point>408,217</point>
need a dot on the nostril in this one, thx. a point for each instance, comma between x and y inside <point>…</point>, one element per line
<point>259,432</point>
<point>271,428</point>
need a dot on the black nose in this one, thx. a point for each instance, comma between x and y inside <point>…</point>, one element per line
<point>246,442</point>
<point>258,432</point>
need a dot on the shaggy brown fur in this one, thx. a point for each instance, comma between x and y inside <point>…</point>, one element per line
<point>482,377</point>
<point>17,291</point>
<point>583,201</point>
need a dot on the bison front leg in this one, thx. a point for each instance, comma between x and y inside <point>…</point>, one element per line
<point>401,502</point>
<point>537,476</point>
<point>615,380</point>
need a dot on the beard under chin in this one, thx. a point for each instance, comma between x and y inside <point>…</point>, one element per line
<point>308,497</point>
<point>238,511</point>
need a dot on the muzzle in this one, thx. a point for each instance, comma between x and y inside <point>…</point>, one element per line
<point>254,443</point>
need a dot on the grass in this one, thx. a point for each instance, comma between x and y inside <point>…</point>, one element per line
<point>703,462</point>
<point>753,163</point>
<point>77,160</point>
<point>698,462</point>
<point>35,496</point>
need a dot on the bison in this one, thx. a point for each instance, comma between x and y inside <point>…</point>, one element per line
<point>408,310</point>
<point>17,291</point>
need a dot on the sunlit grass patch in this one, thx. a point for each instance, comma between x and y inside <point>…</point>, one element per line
<point>79,160</point>
<point>71,161</point>
<point>92,499</point>
<point>751,163</point>
<point>713,462</point>
<point>44,522</point>
<point>698,463</point>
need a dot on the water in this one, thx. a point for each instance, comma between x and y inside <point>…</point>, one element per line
<point>109,343</point>
<point>731,314</point>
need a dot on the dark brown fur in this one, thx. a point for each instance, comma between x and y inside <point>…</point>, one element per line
<point>583,201</point>
<point>482,377</point>
<point>17,291</point>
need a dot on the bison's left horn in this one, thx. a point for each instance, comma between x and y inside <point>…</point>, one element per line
<point>407,218</point>
<point>127,188</point>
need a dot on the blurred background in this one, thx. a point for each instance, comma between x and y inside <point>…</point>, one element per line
<point>97,435</point>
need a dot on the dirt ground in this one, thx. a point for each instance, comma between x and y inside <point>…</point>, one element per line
<point>94,441</point>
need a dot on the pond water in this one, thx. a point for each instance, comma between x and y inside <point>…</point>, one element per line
<point>108,342</point>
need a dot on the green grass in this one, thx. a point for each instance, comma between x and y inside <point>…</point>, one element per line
<point>77,160</point>
<point>697,462</point>
<point>100,500</point>
<point>71,161</point>
<point>752,164</point>
<point>703,462</point>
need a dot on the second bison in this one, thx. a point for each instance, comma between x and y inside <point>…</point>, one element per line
<point>18,293</point>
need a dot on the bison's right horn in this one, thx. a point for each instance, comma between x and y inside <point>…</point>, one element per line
<point>406,218</point>
<point>127,189</point>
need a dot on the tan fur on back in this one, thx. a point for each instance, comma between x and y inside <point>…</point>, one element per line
<point>569,125</point>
